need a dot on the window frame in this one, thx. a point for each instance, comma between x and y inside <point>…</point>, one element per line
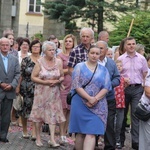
<point>34,7</point>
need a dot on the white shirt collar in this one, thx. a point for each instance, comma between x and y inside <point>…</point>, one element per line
<point>103,62</point>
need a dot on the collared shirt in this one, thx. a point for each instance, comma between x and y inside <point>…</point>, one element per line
<point>77,55</point>
<point>103,62</point>
<point>20,58</point>
<point>5,61</point>
<point>133,67</point>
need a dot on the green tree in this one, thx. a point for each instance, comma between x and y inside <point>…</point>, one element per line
<point>93,12</point>
<point>140,29</point>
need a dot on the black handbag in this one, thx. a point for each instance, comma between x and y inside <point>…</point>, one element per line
<point>70,94</point>
<point>142,113</point>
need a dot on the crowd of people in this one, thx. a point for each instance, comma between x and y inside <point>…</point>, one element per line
<point>107,85</point>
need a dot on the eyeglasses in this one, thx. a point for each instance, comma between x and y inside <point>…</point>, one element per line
<point>25,44</point>
<point>36,46</point>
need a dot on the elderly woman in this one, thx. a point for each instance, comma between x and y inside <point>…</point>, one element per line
<point>47,106</point>
<point>69,42</point>
<point>88,113</point>
<point>144,127</point>
<point>27,86</point>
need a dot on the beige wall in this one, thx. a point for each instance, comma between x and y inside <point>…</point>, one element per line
<point>35,21</point>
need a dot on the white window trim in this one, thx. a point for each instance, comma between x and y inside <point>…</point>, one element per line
<point>34,7</point>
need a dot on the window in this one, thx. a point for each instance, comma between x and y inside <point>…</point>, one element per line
<point>34,6</point>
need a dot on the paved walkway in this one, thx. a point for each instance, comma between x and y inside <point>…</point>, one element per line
<point>16,142</point>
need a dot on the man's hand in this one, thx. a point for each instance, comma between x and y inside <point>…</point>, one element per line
<point>4,85</point>
<point>8,87</point>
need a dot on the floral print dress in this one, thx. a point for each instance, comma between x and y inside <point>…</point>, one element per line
<point>27,86</point>
<point>47,106</point>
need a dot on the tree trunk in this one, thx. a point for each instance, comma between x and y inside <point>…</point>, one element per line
<point>100,18</point>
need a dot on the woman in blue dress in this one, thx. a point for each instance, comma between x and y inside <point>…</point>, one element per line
<point>88,114</point>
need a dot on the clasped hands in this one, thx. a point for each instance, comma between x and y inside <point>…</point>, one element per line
<point>6,86</point>
<point>53,82</point>
<point>92,101</point>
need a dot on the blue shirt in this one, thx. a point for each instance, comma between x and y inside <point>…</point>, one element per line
<point>5,61</point>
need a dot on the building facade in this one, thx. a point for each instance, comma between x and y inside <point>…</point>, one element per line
<point>26,18</point>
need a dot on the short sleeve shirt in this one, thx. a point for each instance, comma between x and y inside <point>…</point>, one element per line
<point>77,55</point>
<point>133,67</point>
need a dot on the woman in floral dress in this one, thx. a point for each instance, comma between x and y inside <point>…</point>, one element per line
<point>27,86</point>
<point>47,106</point>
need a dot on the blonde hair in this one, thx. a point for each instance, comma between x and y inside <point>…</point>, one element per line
<point>66,37</point>
<point>118,61</point>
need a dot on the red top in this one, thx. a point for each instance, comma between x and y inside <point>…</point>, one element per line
<point>119,94</point>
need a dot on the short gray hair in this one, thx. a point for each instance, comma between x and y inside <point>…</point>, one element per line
<point>102,33</point>
<point>4,39</point>
<point>46,43</point>
<point>103,42</point>
<point>139,47</point>
<point>89,29</point>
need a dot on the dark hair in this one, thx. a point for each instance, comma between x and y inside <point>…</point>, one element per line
<point>148,57</point>
<point>23,40</point>
<point>92,46</point>
<point>51,37</point>
<point>121,47</point>
<point>19,39</point>
<point>33,43</point>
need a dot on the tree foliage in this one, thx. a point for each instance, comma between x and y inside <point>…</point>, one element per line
<point>140,29</point>
<point>93,12</point>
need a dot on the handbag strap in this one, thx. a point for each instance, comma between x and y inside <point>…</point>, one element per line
<point>87,82</point>
<point>91,77</point>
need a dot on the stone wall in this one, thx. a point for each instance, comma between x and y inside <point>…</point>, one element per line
<point>53,27</point>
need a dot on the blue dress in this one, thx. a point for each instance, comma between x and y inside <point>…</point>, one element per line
<point>83,119</point>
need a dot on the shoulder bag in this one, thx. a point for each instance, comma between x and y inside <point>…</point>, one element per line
<point>141,112</point>
<point>70,94</point>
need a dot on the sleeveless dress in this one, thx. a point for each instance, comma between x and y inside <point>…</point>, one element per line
<point>47,106</point>
<point>66,82</point>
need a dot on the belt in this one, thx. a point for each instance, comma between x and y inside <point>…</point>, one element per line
<point>133,85</point>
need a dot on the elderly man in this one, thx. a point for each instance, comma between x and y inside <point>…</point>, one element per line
<point>103,36</point>
<point>134,70</point>
<point>79,53</point>
<point>10,73</point>
<point>109,138</point>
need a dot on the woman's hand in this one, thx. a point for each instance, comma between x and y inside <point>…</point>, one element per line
<point>93,101</point>
<point>17,90</point>
<point>53,82</point>
<point>88,104</point>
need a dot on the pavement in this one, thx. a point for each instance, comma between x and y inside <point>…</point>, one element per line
<point>17,142</point>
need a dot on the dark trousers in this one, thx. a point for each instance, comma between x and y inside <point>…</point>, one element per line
<point>109,137</point>
<point>5,110</point>
<point>132,97</point>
